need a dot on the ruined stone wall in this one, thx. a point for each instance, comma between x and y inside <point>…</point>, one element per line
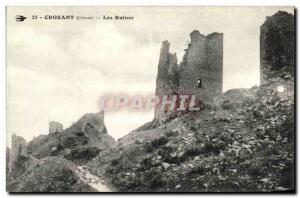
<point>166,81</point>
<point>277,46</point>
<point>92,125</point>
<point>96,120</point>
<point>55,127</point>
<point>203,60</point>
<point>167,76</point>
<point>194,62</point>
<point>18,149</point>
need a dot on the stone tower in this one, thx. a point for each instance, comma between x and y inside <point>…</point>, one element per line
<point>167,79</point>
<point>18,149</point>
<point>55,127</point>
<point>167,75</point>
<point>200,73</point>
<point>277,46</point>
<point>201,69</point>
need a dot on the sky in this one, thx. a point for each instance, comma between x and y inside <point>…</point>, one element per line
<point>58,69</point>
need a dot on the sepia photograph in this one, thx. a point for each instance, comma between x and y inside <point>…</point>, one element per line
<point>150,99</point>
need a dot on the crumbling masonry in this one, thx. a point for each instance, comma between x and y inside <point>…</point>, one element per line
<point>18,149</point>
<point>200,73</point>
<point>277,47</point>
<point>55,127</point>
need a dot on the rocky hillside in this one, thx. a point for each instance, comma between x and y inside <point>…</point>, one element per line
<point>50,174</point>
<point>244,142</point>
<point>50,163</point>
<point>80,142</point>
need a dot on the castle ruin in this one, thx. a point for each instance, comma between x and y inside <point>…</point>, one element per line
<point>200,72</point>
<point>277,46</point>
<point>18,149</point>
<point>55,127</point>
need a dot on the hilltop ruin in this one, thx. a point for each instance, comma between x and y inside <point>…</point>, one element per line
<point>277,47</point>
<point>199,73</point>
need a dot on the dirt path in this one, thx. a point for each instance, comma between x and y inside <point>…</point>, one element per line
<point>92,180</point>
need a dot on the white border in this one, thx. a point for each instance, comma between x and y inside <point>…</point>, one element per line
<point>153,2</point>
<point>4,3</point>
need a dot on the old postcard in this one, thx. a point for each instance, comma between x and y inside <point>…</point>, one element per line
<point>150,99</point>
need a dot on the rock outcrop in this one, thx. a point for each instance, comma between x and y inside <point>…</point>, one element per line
<point>88,134</point>
<point>92,120</point>
<point>55,127</point>
<point>48,162</point>
<point>93,127</point>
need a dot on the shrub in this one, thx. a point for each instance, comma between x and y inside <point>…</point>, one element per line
<point>156,179</point>
<point>171,133</point>
<point>198,170</point>
<point>227,105</point>
<point>146,164</point>
<point>80,134</point>
<point>174,159</point>
<point>192,151</point>
<point>214,147</point>
<point>115,162</point>
<point>156,143</point>
<point>164,151</point>
<point>160,141</point>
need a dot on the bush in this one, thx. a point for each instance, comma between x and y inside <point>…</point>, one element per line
<point>164,151</point>
<point>159,142</point>
<point>171,133</point>
<point>192,151</point>
<point>198,170</point>
<point>83,154</point>
<point>156,143</point>
<point>174,159</point>
<point>213,147</point>
<point>227,105</point>
<point>156,179</point>
<point>80,134</point>
<point>146,164</point>
<point>115,162</point>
